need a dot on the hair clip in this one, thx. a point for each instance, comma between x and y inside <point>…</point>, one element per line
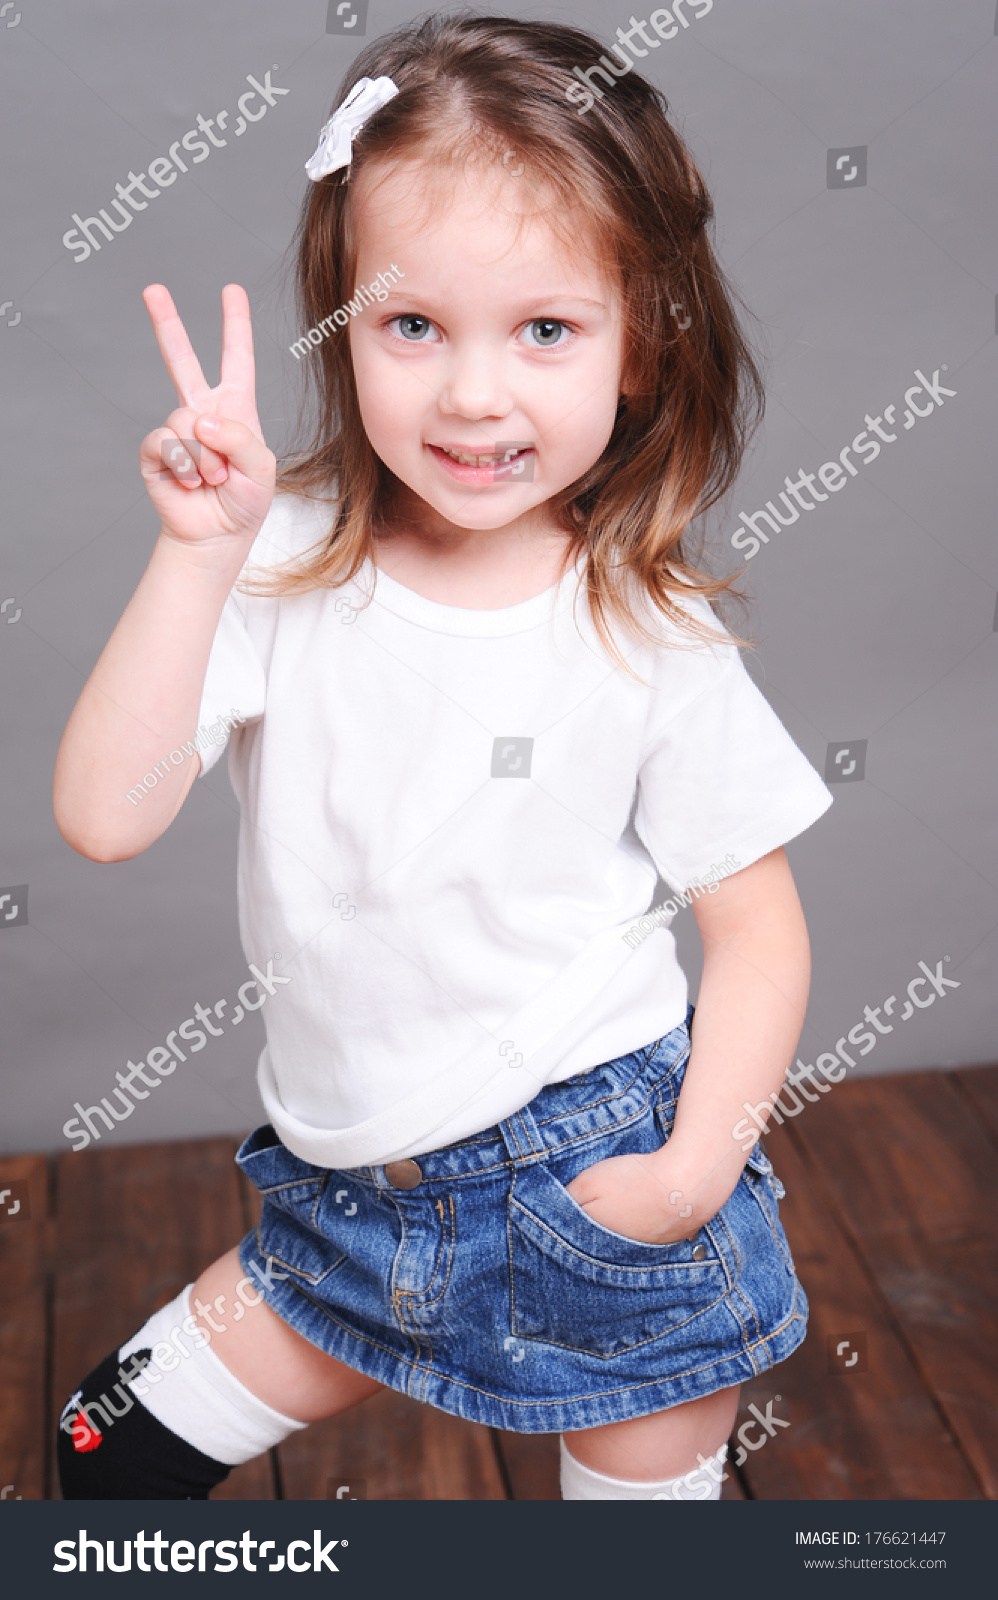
<point>335,147</point>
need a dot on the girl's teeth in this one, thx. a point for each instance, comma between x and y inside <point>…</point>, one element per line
<point>490,460</point>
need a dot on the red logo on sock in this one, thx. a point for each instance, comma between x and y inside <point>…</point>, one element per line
<point>85,1435</point>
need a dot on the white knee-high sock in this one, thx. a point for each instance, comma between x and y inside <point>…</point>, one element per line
<point>582,1483</point>
<point>191,1392</point>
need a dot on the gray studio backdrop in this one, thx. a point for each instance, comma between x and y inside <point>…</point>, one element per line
<point>850,148</point>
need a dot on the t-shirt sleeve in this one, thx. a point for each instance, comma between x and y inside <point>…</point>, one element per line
<point>720,782</point>
<point>235,686</point>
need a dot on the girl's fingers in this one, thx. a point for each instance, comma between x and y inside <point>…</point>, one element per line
<point>210,465</point>
<point>242,448</point>
<point>163,451</point>
<point>175,347</point>
<point>238,370</point>
<point>177,459</point>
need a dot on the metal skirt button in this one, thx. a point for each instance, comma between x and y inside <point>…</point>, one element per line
<point>403,1174</point>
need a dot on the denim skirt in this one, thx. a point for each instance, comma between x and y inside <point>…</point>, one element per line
<point>486,1290</point>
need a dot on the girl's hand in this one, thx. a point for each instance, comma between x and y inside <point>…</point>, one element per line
<point>218,500</point>
<point>636,1196</point>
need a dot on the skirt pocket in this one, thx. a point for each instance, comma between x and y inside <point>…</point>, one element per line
<point>289,1229</point>
<point>581,1286</point>
<point>767,1191</point>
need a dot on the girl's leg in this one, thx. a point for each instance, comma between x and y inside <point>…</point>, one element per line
<point>275,1363</point>
<point>166,1415</point>
<point>652,1453</point>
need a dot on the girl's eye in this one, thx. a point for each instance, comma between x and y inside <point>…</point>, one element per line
<point>415,330</point>
<point>546,333</point>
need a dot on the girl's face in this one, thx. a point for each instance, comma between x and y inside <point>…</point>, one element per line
<point>494,344</point>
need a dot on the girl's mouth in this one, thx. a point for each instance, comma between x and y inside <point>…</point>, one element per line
<point>512,463</point>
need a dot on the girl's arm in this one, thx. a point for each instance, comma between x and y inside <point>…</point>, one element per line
<point>140,702</point>
<point>142,699</point>
<point>749,1014</point>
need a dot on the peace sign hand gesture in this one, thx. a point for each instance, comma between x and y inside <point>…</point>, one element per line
<point>217,501</point>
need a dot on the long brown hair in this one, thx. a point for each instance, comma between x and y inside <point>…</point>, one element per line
<point>472,85</point>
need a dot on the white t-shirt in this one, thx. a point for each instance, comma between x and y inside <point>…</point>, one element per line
<point>452,822</point>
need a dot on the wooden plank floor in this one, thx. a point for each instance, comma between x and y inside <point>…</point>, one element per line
<point>892,1214</point>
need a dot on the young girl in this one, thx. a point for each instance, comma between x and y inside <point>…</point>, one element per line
<point>481,703</point>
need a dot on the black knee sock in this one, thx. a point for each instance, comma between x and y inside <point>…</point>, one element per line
<point>111,1448</point>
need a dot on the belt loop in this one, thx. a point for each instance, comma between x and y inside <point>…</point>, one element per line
<point>522,1138</point>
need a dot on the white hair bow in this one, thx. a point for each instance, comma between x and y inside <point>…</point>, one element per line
<point>334,149</point>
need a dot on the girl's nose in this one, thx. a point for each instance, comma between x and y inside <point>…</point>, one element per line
<point>476,387</point>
